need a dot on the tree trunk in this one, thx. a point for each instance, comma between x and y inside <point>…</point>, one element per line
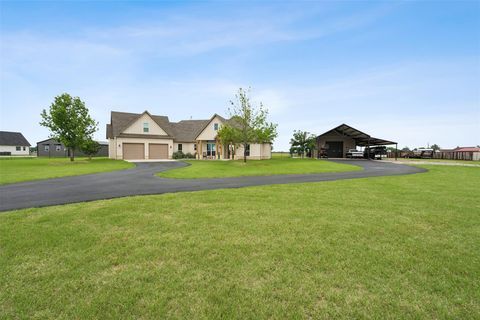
<point>72,154</point>
<point>245,153</point>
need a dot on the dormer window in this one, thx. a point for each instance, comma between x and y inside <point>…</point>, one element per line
<point>145,127</point>
<point>215,127</point>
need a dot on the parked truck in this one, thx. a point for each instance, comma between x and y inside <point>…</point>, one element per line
<point>354,153</point>
<point>377,152</point>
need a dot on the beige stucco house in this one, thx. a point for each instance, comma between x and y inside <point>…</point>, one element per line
<point>133,136</point>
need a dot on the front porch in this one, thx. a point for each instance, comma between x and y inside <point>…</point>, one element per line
<point>214,150</point>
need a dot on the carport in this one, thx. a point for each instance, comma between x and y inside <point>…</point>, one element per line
<point>339,139</point>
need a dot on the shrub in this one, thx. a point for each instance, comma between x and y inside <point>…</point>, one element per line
<point>178,155</point>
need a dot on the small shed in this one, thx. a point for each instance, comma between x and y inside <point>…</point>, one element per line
<point>337,141</point>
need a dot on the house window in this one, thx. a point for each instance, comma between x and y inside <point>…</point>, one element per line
<point>58,147</point>
<point>248,150</point>
<point>24,148</point>
<point>47,147</point>
<point>215,127</point>
<point>18,148</point>
<point>195,146</point>
<point>180,147</point>
<point>145,127</point>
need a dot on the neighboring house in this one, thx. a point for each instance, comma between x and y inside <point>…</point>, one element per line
<point>134,136</point>
<point>459,153</point>
<point>53,148</point>
<point>13,144</point>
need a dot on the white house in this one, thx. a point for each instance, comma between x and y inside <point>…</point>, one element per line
<point>13,144</point>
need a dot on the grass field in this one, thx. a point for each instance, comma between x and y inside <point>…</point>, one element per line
<point>237,168</point>
<point>390,247</point>
<point>25,169</point>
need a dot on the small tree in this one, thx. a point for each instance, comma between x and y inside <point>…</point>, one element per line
<point>69,122</point>
<point>90,147</point>
<point>302,142</point>
<point>435,147</point>
<point>406,149</point>
<point>248,124</point>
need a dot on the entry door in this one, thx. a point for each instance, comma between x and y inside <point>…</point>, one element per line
<point>210,149</point>
<point>335,149</point>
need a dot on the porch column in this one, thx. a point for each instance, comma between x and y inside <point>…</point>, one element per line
<point>199,150</point>
<point>216,149</point>
<point>221,151</point>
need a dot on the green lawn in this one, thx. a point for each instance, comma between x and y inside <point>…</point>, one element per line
<point>389,247</point>
<point>238,168</point>
<point>24,169</point>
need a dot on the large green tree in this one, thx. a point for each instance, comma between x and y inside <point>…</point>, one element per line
<point>248,123</point>
<point>69,122</point>
<point>302,142</point>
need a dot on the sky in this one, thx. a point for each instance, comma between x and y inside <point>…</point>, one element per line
<point>402,71</point>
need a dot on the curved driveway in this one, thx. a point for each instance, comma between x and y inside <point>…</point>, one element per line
<point>141,181</point>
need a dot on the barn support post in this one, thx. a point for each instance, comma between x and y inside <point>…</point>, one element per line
<point>368,149</point>
<point>396,151</point>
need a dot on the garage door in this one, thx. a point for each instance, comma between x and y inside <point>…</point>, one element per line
<point>335,149</point>
<point>157,151</point>
<point>133,151</point>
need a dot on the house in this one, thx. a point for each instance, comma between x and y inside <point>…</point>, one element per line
<point>53,148</point>
<point>134,136</point>
<point>13,144</point>
<point>336,142</point>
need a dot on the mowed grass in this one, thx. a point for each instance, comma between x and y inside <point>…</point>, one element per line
<point>25,169</point>
<point>389,247</point>
<point>238,168</point>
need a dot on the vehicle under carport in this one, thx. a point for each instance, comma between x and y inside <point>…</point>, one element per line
<point>336,142</point>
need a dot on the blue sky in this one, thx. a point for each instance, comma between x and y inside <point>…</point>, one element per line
<point>404,71</point>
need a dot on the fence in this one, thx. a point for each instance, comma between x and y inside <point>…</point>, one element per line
<point>446,155</point>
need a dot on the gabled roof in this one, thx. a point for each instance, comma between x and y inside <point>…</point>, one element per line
<point>119,121</point>
<point>182,131</point>
<point>361,138</point>
<point>8,138</point>
<point>188,130</point>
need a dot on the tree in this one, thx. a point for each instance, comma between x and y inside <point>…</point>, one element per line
<point>302,142</point>
<point>435,147</point>
<point>248,124</point>
<point>90,147</point>
<point>406,149</point>
<point>69,122</point>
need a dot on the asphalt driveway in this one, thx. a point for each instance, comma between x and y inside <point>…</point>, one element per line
<point>141,181</point>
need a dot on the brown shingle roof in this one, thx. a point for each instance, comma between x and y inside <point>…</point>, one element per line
<point>8,138</point>
<point>188,130</point>
<point>182,131</point>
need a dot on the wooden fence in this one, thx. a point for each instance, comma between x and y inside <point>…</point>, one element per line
<point>447,155</point>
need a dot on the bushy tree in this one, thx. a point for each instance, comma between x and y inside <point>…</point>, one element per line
<point>248,123</point>
<point>90,147</point>
<point>69,122</point>
<point>302,142</point>
<point>435,147</point>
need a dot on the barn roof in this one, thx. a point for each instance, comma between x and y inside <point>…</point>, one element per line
<point>361,138</point>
